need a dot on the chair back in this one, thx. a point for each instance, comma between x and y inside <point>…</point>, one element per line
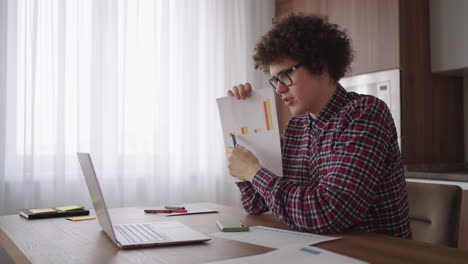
<point>434,211</point>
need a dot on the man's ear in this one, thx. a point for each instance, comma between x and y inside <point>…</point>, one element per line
<point>324,74</point>
<point>325,70</point>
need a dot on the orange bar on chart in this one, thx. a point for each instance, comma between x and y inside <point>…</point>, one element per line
<point>270,116</point>
<point>265,108</point>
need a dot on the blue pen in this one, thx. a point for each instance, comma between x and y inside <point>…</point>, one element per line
<point>234,140</point>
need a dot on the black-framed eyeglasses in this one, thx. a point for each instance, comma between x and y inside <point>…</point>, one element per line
<point>284,77</point>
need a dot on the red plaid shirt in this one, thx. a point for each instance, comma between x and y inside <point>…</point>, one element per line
<point>341,171</point>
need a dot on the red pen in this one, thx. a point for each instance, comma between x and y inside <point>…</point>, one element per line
<point>149,211</point>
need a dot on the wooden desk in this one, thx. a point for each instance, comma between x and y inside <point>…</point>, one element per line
<point>62,241</point>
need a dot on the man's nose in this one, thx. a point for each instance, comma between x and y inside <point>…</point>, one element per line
<point>281,88</point>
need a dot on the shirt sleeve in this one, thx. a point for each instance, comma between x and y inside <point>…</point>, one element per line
<point>252,201</point>
<point>342,197</point>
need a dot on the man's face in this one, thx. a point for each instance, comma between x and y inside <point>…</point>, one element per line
<point>307,91</point>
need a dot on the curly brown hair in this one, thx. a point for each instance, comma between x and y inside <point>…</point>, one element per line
<point>308,39</point>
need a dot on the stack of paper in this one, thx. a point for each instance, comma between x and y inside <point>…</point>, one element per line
<point>293,247</point>
<point>294,254</point>
<point>273,237</point>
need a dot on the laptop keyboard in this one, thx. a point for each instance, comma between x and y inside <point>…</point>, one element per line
<point>138,233</point>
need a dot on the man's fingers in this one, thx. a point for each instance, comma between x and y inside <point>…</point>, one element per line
<point>248,89</point>
<point>229,149</point>
<point>241,148</point>
<point>235,91</point>
<point>242,91</point>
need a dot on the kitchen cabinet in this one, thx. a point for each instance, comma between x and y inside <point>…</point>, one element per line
<point>389,34</point>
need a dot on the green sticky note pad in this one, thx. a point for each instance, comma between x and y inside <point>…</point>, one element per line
<point>69,208</point>
<point>231,226</point>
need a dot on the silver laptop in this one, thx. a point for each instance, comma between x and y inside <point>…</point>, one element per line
<point>134,235</point>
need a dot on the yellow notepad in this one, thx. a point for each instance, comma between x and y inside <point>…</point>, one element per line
<point>43,210</point>
<point>80,218</point>
<point>69,208</point>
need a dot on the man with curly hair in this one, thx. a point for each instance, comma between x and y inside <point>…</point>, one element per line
<point>342,167</point>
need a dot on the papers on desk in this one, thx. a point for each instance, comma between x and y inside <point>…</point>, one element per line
<point>190,210</point>
<point>294,254</point>
<point>273,237</point>
<point>194,210</point>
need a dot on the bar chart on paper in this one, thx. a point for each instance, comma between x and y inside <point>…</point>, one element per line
<point>254,123</point>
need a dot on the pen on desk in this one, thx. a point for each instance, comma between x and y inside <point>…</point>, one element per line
<point>150,211</point>
<point>234,140</point>
<point>174,207</point>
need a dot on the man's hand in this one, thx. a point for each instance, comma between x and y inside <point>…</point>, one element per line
<point>241,91</point>
<point>242,163</point>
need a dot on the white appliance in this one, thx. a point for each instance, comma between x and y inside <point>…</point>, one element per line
<point>384,85</point>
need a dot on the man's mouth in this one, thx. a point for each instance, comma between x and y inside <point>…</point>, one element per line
<point>288,100</point>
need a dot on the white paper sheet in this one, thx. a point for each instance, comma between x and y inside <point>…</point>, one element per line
<point>254,122</point>
<point>294,254</point>
<point>273,237</point>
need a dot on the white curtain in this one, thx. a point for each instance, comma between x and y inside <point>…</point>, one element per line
<point>134,83</point>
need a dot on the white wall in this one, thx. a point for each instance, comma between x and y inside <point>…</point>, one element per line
<point>3,43</point>
<point>449,35</point>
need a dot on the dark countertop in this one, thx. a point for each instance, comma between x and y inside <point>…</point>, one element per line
<point>459,176</point>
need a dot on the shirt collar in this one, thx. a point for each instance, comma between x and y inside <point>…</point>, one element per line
<point>333,106</point>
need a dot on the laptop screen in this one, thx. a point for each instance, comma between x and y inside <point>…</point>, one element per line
<point>96,194</point>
